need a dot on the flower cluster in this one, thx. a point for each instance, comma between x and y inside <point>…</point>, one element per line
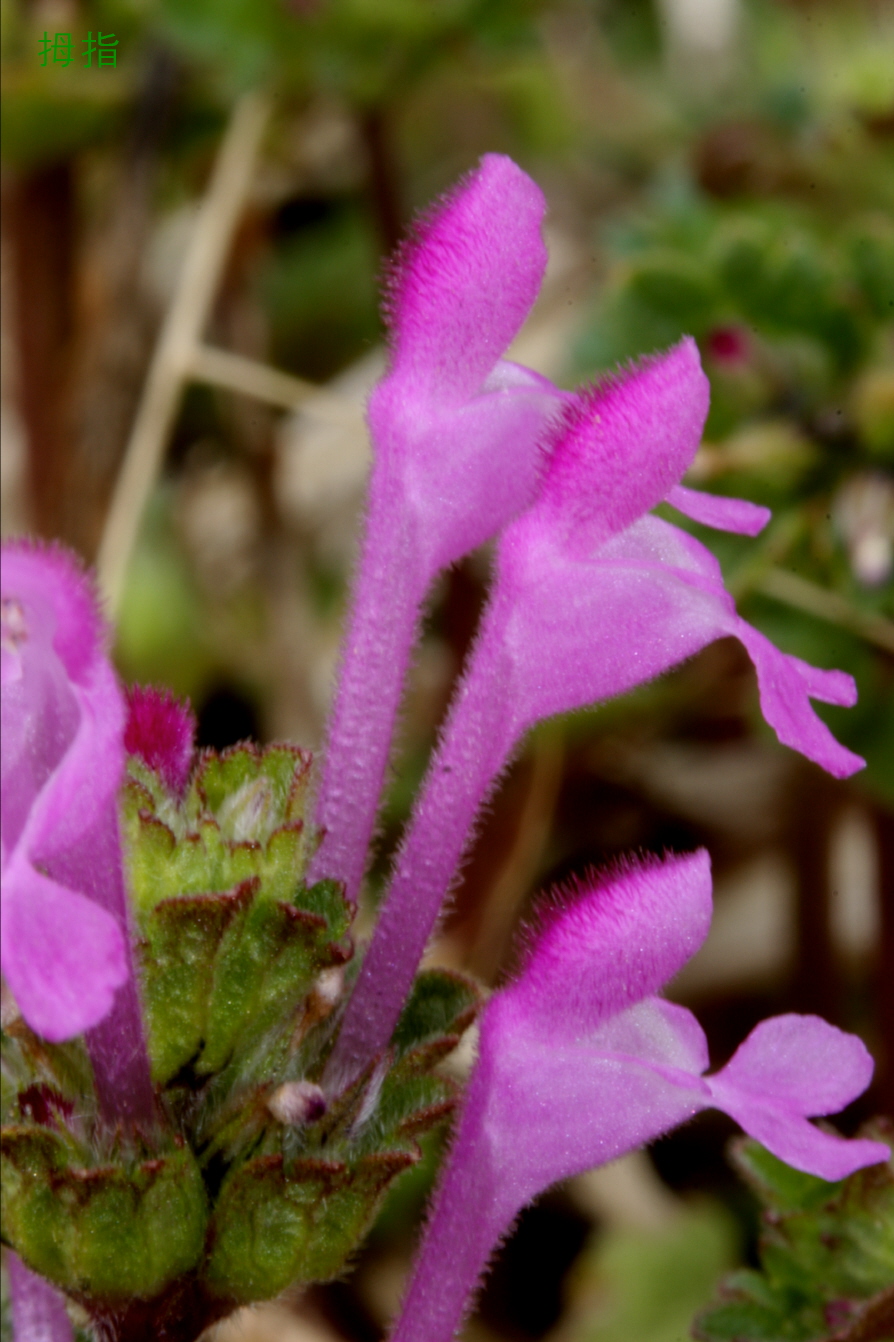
<point>214,1000</point>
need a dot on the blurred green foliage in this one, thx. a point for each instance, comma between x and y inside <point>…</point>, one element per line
<point>364,50</point>
<point>638,1286</point>
<point>767,232</point>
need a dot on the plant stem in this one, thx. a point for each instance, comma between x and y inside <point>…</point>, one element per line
<point>383,177</point>
<point>180,333</point>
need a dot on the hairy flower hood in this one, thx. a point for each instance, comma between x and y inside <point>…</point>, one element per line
<point>63,953</point>
<point>456,429</point>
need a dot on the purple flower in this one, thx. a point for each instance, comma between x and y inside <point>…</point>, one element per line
<point>591,597</point>
<point>63,953</point>
<point>37,1308</point>
<point>580,1062</point>
<point>456,436</point>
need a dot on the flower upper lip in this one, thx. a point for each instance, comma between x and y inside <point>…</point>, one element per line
<point>63,954</point>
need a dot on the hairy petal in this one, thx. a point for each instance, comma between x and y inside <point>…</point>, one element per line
<point>63,956</point>
<point>786,685</point>
<point>791,1067</point>
<point>581,631</point>
<point>468,759</point>
<point>614,940</point>
<point>63,719</point>
<point>458,476</point>
<point>574,619</point>
<point>558,1106</point>
<point>38,1310</point>
<point>462,288</point>
<point>748,519</point>
<point>65,945</point>
<point>550,1097</point>
<point>438,1295</point>
<point>623,447</point>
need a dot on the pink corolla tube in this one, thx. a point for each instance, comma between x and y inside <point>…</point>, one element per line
<point>64,915</point>
<point>579,1062</point>
<point>456,435</point>
<point>37,1308</point>
<point>591,597</point>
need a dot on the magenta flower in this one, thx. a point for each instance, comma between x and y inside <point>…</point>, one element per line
<point>456,436</point>
<point>63,952</point>
<point>579,1062</point>
<point>591,597</point>
<point>161,731</point>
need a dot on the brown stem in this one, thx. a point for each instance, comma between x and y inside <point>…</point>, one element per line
<point>817,979</point>
<point>875,1322</point>
<point>115,347</point>
<point>181,1314</point>
<point>884,985</point>
<point>39,218</point>
<point>383,181</point>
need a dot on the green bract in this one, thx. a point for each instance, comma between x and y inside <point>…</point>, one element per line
<point>249,1181</point>
<point>114,1231</point>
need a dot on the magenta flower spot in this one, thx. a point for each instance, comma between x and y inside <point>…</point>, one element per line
<point>456,437</point>
<point>591,597</point>
<point>579,1062</point>
<point>63,954</point>
<point>161,730</point>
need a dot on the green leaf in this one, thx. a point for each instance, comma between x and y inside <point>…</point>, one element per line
<point>27,1060</point>
<point>265,965</point>
<point>241,818</point>
<point>327,899</point>
<point>111,1231</point>
<point>221,968</point>
<point>826,1249</point>
<point>442,1003</point>
<point>777,1184</point>
<point>678,291</point>
<point>271,1228</point>
<point>177,957</point>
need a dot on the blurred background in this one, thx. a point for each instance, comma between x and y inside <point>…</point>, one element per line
<point>197,200</point>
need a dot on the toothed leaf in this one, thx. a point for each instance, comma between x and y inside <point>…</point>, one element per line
<point>441,1003</point>
<point>827,1255</point>
<point>271,1229</point>
<point>113,1232</point>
